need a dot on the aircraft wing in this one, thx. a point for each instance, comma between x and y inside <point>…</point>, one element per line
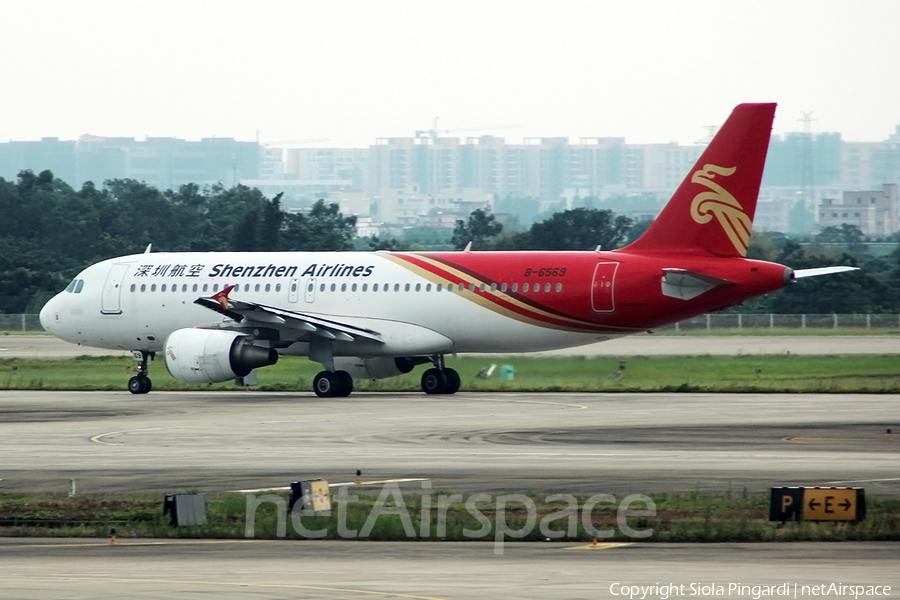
<point>246,312</point>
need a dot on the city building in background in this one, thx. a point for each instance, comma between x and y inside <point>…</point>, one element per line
<point>874,212</point>
<point>431,180</point>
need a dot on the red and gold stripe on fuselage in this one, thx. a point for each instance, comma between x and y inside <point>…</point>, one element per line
<point>567,310</point>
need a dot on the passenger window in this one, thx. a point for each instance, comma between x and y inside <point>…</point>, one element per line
<point>493,287</point>
<point>333,287</point>
<point>503,288</point>
<point>163,288</point>
<point>256,288</point>
<point>396,287</point>
<point>428,287</point>
<point>153,288</point>
<point>558,287</point>
<point>375,287</point>
<point>471,287</point>
<point>440,287</point>
<point>143,287</point>
<point>269,287</point>
<point>481,287</point>
<point>353,288</point>
<point>195,288</point>
<point>321,288</point>
<point>205,286</point>
<point>277,287</point>
<point>132,287</point>
<point>546,287</point>
<point>294,287</point>
<point>462,286</point>
<point>524,287</point>
<point>365,286</point>
<point>343,287</point>
<point>215,287</point>
<point>184,288</point>
<point>418,287</point>
<point>515,287</point>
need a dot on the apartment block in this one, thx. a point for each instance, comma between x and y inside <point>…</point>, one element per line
<point>873,211</point>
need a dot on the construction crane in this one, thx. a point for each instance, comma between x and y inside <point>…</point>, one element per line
<point>434,132</point>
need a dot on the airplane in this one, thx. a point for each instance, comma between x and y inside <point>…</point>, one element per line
<point>217,316</point>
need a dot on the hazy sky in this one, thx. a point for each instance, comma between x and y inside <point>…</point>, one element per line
<point>351,71</point>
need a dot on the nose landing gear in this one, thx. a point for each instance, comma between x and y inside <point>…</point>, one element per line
<point>140,383</point>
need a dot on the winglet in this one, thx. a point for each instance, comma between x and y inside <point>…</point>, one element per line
<point>222,297</point>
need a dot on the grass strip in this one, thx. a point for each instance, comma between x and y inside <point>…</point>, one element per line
<point>719,374</point>
<point>690,517</point>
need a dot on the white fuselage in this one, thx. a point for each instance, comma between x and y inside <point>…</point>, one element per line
<point>136,302</point>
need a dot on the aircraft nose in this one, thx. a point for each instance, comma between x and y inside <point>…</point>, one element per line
<point>49,315</point>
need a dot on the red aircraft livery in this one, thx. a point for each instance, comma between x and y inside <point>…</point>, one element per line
<point>371,315</point>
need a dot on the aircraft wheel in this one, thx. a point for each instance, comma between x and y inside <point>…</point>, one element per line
<point>434,381</point>
<point>326,384</point>
<point>139,385</point>
<point>345,383</point>
<point>453,381</point>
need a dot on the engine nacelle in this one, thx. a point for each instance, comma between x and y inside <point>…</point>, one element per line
<point>380,367</point>
<point>212,355</point>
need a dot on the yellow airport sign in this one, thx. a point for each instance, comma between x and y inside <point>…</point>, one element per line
<point>817,504</point>
<point>321,495</point>
<point>824,504</point>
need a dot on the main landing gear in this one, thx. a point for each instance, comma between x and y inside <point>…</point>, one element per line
<point>440,379</point>
<point>140,383</point>
<point>333,384</point>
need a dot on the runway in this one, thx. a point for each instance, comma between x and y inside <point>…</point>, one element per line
<point>198,569</point>
<point>567,443</point>
<point>547,443</point>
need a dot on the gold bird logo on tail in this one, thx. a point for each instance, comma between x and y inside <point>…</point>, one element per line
<point>719,202</point>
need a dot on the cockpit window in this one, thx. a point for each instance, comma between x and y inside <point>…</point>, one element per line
<point>79,286</point>
<point>71,286</point>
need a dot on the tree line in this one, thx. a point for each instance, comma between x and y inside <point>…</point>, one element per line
<point>50,231</point>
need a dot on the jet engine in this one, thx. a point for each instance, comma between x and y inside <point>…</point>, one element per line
<point>211,356</point>
<point>377,368</point>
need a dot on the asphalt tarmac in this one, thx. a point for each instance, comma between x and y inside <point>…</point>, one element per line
<point>548,443</point>
<point>200,569</point>
<point>566,443</point>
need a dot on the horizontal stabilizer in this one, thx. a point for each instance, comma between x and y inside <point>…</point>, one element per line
<point>684,284</point>
<point>801,273</point>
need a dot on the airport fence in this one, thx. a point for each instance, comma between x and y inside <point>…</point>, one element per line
<point>21,323</point>
<point>775,321</point>
<point>27,323</point>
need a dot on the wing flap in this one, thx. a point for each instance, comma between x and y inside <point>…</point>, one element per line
<point>243,311</point>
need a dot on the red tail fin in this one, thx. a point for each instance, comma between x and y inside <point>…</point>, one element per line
<point>712,210</point>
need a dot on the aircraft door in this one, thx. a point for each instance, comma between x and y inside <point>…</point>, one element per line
<point>294,290</point>
<point>111,297</point>
<point>310,293</point>
<point>603,287</point>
